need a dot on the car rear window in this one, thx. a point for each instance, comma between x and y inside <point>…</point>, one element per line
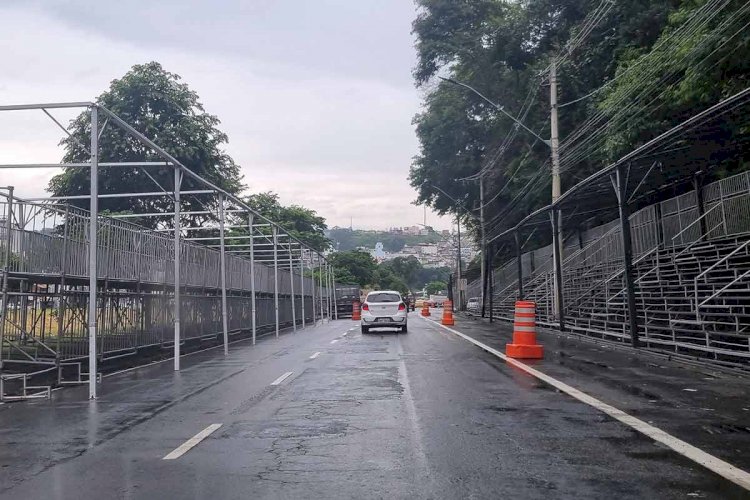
<point>383,297</point>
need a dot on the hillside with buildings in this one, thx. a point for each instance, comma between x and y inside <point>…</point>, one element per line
<point>431,248</point>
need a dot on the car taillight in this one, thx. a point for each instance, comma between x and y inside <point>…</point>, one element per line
<point>401,306</point>
<point>365,307</point>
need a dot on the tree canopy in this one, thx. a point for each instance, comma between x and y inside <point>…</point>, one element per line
<point>435,287</point>
<point>302,223</point>
<point>644,67</point>
<point>156,103</point>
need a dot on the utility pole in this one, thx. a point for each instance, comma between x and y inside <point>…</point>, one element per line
<point>555,147</point>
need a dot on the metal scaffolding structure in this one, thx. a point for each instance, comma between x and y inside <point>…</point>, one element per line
<point>80,288</point>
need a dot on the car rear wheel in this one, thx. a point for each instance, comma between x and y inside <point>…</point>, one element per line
<point>365,329</point>
<point>404,329</point>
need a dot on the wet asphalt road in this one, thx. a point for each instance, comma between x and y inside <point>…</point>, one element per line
<point>384,415</point>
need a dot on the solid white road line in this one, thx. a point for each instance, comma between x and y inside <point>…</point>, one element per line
<point>185,447</point>
<point>334,341</point>
<point>315,355</point>
<point>281,379</point>
<point>712,463</point>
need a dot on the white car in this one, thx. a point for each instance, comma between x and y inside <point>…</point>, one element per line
<point>473,305</point>
<point>384,308</point>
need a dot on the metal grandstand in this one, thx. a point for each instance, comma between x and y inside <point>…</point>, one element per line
<point>79,290</point>
<point>638,265</point>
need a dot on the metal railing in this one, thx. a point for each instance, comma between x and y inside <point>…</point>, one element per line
<point>705,273</point>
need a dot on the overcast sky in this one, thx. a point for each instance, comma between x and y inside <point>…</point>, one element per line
<point>316,96</point>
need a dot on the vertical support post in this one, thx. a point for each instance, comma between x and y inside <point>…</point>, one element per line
<point>483,266</point>
<point>61,295</point>
<point>312,290</point>
<point>723,208</point>
<point>320,276</point>
<point>559,309</point>
<point>252,273</point>
<point>93,248</point>
<point>484,282</point>
<point>6,270</point>
<point>177,186</point>
<point>327,302</point>
<point>276,277</point>
<point>491,281</point>
<point>329,284</point>
<point>224,328</point>
<point>333,288</point>
<point>627,254</point>
<point>458,274</point>
<point>302,286</point>
<point>291,282</point>
<point>698,187</point>
<point>519,263</point>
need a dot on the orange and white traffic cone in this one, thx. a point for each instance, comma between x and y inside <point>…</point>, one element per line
<point>448,313</point>
<point>356,311</point>
<point>524,344</point>
<point>426,309</point>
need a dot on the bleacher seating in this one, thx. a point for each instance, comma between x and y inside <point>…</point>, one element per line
<point>691,298</point>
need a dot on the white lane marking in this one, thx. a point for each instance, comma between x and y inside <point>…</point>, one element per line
<point>345,334</point>
<point>187,445</point>
<point>281,379</point>
<point>334,341</point>
<point>712,463</point>
<point>315,355</point>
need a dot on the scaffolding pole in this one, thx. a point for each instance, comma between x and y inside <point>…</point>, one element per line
<point>177,185</point>
<point>320,276</point>
<point>6,270</point>
<point>302,288</point>
<point>276,278</point>
<point>333,288</point>
<point>252,276</point>
<point>291,283</point>
<point>93,249</point>
<point>222,259</point>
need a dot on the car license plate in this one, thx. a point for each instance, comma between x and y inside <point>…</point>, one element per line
<point>382,320</point>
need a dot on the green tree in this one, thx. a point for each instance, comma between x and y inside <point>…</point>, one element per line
<point>302,223</point>
<point>385,279</point>
<point>157,104</point>
<point>356,265</point>
<point>405,268</point>
<point>435,287</point>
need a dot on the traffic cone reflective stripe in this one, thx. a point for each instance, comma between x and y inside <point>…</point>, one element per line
<point>524,344</point>
<point>448,313</point>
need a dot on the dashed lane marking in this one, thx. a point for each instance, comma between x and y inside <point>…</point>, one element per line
<point>281,379</point>
<point>345,334</point>
<point>710,462</point>
<point>190,443</point>
<point>315,355</point>
<point>334,341</point>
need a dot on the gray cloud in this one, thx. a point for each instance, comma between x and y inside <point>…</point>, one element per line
<point>316,97</point>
